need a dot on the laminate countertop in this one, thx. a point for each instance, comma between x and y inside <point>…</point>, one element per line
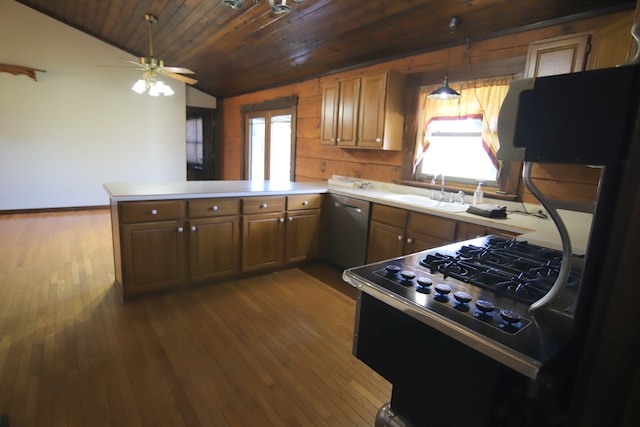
<point>138,191</point>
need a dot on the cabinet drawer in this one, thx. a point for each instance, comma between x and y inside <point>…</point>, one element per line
<point>199,208</point>
<point>389,215</point>
<point>304,201</point>
<point>432,225</point>
<point>253,205</point>
<point>150,211</point>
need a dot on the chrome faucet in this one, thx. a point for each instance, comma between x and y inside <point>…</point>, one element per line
<point>442,187</point>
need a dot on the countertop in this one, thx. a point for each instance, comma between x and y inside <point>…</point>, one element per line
<point>137,191</point>
<point>531,228</point>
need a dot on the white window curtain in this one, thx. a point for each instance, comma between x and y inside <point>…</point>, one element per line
<point>478,99</point>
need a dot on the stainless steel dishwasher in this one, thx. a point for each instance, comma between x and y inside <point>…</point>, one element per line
<point>348,229</point>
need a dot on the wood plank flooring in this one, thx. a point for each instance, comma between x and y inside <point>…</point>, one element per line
<point>269,350</point>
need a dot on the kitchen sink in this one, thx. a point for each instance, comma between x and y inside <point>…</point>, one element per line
<point>423,201</point>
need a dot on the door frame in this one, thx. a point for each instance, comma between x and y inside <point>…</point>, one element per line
<point>281,103</point>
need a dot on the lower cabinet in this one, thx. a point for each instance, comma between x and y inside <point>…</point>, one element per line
<point>394,232</point>
<point>214,247</point>
<point>262,241</point>
<point>278,231</point>
<point>153,256</point>
<point>467,230</point>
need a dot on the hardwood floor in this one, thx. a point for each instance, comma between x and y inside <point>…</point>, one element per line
<point>270,350</point>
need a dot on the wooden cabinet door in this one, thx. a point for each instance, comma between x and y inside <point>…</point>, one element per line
<point>330,98</point>
<point>416,242</point>
<point>262,241</point>
<point>347,124</point>
<point>558,55</point>
<point>385,241</point>
<point>372,111</point>
<point>153,256</point>
<point>302,235</point>
<point>214,246</point>
<point>613,44</point>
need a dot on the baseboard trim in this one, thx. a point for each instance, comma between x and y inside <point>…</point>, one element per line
<point>49,210</point>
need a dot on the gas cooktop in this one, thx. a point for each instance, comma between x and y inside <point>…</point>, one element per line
<point>479,292</point>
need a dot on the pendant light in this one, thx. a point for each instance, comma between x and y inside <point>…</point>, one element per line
<point>445,92</point>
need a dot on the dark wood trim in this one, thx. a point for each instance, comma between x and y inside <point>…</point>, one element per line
<point>57,210</point>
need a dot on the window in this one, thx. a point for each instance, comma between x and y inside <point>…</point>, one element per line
<point>269,134</point>
<point>458,138</point>
<point>195,158</point>
<point>455,150</point>
<point>270,139</point>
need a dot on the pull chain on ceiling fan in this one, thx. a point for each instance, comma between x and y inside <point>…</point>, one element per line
<point>152,67</point>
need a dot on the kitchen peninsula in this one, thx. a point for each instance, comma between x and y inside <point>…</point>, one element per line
<point>173,234</point>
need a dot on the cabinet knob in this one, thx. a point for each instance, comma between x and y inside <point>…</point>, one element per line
<point>400,237</point>
<point>409,240</point>
<point>280,219</point>
<point>214,208</point>
<point>263,206</point>
<point>290,218</point>
<point>154,212</point>
<point>305,203</point>
<point>378,140</point>
<point>193,228</point>
<point>333,140</point>
<point>338,140</point>
<point>180,229</point>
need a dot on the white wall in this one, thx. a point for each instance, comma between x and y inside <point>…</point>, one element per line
<point>79,125</point>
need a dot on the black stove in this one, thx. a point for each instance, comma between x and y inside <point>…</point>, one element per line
<point>478,292</point>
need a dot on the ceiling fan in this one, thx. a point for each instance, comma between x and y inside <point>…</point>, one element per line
<point>152,67</point>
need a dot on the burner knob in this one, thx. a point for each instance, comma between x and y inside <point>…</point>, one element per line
<point>408,275</point>
<point>510,317</point>
<point>485,306</point>
<point>424,282</point>
<point>443,289</point>
<point>462,297</point>
<point>392,269</point>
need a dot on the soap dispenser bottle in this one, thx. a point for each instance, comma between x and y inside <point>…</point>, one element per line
<point>478,195</point>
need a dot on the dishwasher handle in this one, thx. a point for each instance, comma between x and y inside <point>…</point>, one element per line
<point>342,205</point>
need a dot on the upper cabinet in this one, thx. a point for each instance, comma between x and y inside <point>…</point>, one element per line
<point>613,44</point>
<point>558,55</point>
<point>365,112</point>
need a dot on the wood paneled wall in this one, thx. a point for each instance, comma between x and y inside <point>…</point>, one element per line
<point>497,56</point>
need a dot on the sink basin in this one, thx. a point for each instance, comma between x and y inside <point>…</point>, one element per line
<point>413,199</point>
<point>423,201</point>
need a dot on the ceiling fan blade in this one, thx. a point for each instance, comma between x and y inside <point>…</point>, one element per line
<point>179,70</point>
<point>187,80</point>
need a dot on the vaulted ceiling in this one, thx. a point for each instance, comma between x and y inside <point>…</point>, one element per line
<point>235,51</point>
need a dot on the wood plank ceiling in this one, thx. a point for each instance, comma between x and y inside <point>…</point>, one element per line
<point>244,50</point>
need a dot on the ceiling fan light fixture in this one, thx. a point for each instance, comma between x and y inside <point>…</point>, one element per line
<point>280,7</point>
<point>233,4</point>
<point>444,93</point>
<point>155,87</point>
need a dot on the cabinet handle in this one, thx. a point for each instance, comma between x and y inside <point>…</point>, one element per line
<point>263,206</point>
<point>305,203</point>
<point>180,229</point>
<point>409,240</point>
<point>154,212</point>
<point>214,208</point>
<point>193,228</point>
<point>400,237</point>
